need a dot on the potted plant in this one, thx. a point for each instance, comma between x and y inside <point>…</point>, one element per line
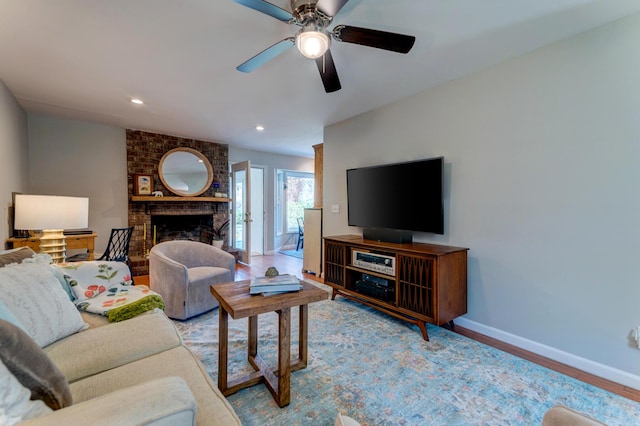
<point>216,190</point>
<point>219,234</point>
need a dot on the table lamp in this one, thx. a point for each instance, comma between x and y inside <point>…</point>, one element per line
<point>51,214</point>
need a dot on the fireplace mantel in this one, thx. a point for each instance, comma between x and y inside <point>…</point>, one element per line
<point>150,198</point>
<point>146,199</point>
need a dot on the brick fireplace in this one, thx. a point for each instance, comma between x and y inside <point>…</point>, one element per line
<point>172,219</point>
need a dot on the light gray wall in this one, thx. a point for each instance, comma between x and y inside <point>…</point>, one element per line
<point>271,162</point>
<point>542,158</point>
<point>14,161</point>
<point>79,158</point>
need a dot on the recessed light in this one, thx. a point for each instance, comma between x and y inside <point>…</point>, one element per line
<point>259,128</point>
<point>137,101</point>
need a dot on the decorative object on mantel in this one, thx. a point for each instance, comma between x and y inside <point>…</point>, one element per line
<point>185,172</point>
<point>216,189</point>
<point>143,184</point>
<point>157,194</point>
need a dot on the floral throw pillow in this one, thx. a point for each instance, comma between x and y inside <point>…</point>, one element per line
<point>89,279</point>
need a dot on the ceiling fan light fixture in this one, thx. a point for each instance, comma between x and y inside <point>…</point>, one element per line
<point>312,44</point>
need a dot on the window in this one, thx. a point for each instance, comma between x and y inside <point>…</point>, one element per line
<point>294,193</point>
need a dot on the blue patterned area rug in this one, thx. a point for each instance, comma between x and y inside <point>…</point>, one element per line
<point>294,253</point>
<point>379,371</point>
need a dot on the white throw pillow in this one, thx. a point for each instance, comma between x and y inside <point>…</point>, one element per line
<point>33,295</point>
<point>15,403</point>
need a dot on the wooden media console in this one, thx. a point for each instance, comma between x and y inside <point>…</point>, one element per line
<point>416,282</point>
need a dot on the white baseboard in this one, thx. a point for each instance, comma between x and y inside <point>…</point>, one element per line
<point>586,365</point>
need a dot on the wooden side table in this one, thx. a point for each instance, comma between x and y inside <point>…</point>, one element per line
<point>236,301</point>
<point>81,241</point>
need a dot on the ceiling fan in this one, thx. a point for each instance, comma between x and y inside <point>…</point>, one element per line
<point>313,39</point>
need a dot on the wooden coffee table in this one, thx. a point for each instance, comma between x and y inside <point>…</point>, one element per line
<point>236,301</point>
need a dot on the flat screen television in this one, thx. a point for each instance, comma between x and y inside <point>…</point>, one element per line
<point>401,197</point>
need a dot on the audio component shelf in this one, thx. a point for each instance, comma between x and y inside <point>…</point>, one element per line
<point>427,284</point>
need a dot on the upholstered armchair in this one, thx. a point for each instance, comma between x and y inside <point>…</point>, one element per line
<point>182,273</point>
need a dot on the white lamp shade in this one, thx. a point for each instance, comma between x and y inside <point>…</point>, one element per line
<point>41,212</point>
<point>312,44</point>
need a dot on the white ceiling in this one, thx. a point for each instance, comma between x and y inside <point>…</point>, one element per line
<point>85,59</point>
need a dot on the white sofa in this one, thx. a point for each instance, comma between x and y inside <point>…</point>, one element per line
<point>132,372</point>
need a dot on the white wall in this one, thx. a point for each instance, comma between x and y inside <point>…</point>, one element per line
<point>79,158</point>
<point>14,161</point>
<point>542,158</point>
<point>271,162</point>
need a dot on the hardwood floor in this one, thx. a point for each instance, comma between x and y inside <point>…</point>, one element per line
<point>291,265</point>
<point>283,263</point>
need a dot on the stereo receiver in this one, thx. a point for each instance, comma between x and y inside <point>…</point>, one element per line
<point>374,262</point>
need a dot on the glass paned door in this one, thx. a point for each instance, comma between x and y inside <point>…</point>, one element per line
<point>241,229</point>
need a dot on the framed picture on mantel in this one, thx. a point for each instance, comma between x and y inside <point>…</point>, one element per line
<point>142,184</point>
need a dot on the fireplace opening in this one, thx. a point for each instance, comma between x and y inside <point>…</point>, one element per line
<point>195,227</point>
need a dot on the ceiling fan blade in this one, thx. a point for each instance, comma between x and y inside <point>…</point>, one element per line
<point>266,55</point>
<point>373,38</point>
<point>330,7</point>
<point>267,8</point>
<point>328,72</point>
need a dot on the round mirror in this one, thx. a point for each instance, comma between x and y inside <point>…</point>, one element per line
<point>185,172</point>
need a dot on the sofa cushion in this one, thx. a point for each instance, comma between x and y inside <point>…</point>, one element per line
<point>7,257</point>
<point>15,402</point>
<point>99,349</point>
<point>32,367</point>
<point>160,402</point>
<point>213,407</point>
<point>36,299</point>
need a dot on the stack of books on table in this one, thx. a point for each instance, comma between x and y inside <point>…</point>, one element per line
<point>274,285</point>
